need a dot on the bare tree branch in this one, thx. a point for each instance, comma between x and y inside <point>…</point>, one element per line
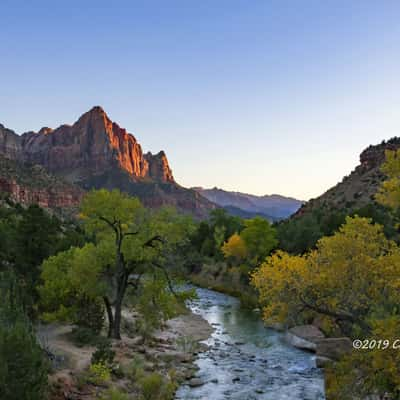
<point>151,241</point>
<point>170,286</point>
<point>340,314</point>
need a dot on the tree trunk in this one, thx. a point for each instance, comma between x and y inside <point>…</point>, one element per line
<point>121,289</point>
<point>110,316</point>
<point>116,330</point>
<point>122,282</point>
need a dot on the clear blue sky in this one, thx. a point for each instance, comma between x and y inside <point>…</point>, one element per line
<point>255,96</point>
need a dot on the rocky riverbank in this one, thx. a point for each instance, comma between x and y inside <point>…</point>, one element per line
<point>327,350</point>
<point>170,351</point>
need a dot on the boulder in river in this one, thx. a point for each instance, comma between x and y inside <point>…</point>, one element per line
<point>304,337</point>
<point>333,348</point>
<point>196,382</point>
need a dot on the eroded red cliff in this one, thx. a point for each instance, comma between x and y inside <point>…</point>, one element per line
<point>27,184</point>
<point>95,152</point>
<point>91,146</point>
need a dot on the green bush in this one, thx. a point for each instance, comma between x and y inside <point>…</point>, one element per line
<point>136,369</point>
<point>84,336</point>
<point>90,314</point>
<point>99,373</point>
<point>23,367</point>
<point>155,387</point>
<point>104,352</point>
<point>157,304</point>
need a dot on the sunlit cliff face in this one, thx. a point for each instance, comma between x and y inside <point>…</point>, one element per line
<point>95,152</point>
<point>92,145</point>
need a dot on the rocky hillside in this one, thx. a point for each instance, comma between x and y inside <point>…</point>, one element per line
<point>31,184</point>
<point>273,206</point>
<point>357,189</point>
<point>95,152</point>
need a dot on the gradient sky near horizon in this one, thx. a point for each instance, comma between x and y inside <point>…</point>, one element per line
<point>255,96</point>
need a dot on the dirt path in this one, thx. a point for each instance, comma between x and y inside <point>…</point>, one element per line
<point>56,339</point>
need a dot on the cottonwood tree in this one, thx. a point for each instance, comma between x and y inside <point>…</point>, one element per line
<point>129,241</point>
<point>346,279</point>
<point>259,237</point>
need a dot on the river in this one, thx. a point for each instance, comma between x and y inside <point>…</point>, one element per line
<point>246,361</point>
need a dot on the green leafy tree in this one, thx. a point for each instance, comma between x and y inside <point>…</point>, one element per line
<point>259,237</point>
<point>219,237</point>
<point>8,223</point>
<point>297,235</point>
<point>129,241</point>
<point>28,236</point>
<point>220,218</point>
<point>35,239</point>
<point>210,235</point>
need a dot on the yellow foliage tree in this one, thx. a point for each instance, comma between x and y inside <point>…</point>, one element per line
<point>345,278</point>
<point>235,248</point>
<point>389,192</point>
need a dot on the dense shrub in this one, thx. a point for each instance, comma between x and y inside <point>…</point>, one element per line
<point>90,314</point>
<point>104,352</point>
<point>23,368</point>
<point>84,336</point>
<point>155,387</point>
<point>23,365</point>
<point>99,373</point>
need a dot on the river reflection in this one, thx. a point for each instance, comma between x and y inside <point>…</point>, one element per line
<point>246,361</point>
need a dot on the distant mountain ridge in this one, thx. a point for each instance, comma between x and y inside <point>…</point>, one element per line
<point>273,206</point>
<point>239,212</point>
<point>95,152</point>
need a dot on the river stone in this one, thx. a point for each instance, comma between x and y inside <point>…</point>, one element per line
<point>322,362</point>
<point>333,348</point>
<point>307,332</point>
<point>304,337</point>
<point>196,382</point>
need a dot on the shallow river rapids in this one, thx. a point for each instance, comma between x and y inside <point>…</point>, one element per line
<point>246,361</point>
